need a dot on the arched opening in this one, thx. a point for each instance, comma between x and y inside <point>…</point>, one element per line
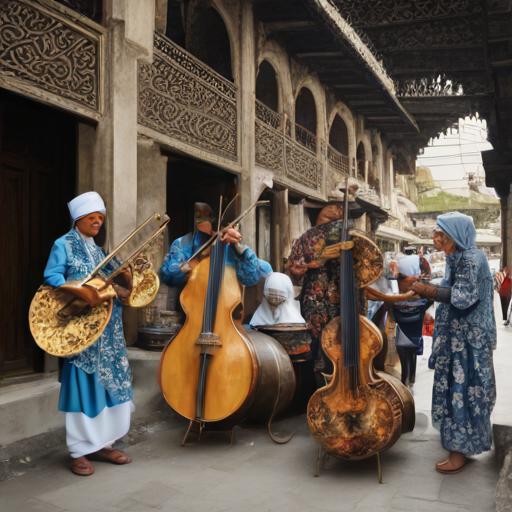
<point>338,136</point>
<point>267,90</point>
<point>305,119</point>
<point>207,39</point>
<point>361,161</point>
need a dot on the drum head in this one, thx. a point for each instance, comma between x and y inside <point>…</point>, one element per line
<point>69,336</point>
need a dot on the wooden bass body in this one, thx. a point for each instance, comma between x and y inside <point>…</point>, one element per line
<point>361,412</point>
<point>355,424</point>
<point>249,375</point>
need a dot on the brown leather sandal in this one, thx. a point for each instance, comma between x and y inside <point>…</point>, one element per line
<point>82,467</point>
<point>442,467</point>
<point>115,456</point>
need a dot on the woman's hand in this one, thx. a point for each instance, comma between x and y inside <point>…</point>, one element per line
<point>427,291</point>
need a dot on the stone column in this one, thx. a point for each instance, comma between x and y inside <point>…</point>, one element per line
<point>247,95</point>
<point>130,38</point>
<point>280,216</point>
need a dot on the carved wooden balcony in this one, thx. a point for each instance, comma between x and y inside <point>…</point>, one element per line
<point>286,158</point>
<point>268,116</point>
<point>183,99</point>
<point>305,138</point>
<point>338,161</point>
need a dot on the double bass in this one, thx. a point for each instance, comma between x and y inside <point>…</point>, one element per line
<point>360,412</point>
<point>214,372</point>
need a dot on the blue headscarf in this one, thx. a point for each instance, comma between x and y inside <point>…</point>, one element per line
<point>460,228</point>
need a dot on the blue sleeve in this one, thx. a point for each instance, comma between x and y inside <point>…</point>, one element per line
<point>170,271</point>
<point>55,272</point>
<point>249,268</point>
<point>465,285</point>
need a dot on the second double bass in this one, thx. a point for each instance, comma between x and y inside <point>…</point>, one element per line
<point>360,412</point>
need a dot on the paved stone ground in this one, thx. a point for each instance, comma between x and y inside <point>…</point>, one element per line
<point>258,475</point>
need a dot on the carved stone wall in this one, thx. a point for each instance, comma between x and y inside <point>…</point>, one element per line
<point>44,51</point>
<point>182,98</point>
<point>286,158</point>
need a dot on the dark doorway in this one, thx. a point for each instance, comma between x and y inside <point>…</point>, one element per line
<point>207,39</point>
<point>37,179</point>
<point>338,136</point>
<point>361,162</point>
<point>267,90</point>
<point>189,182</point>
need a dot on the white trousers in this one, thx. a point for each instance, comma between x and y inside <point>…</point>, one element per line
<point>86,435</point>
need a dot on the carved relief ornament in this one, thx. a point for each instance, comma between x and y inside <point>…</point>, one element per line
<point>46,53</point>
<point>182,98</point>
<point>287,158</point>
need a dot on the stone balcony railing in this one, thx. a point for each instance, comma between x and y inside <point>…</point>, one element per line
<point>305,138</point>
<point>338,161</point>
<point>186,101</point>
<point>287,158</point>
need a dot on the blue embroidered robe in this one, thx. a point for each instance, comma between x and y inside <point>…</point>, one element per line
<point>464,391</point>
<point>99,376</point>
<point>249,268</point>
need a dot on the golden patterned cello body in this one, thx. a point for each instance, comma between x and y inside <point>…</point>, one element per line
<point>357,424</point>
<point>361,412</point>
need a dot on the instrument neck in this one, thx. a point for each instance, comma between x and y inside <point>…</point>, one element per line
<point>349,315</point>
<point>216,274</point>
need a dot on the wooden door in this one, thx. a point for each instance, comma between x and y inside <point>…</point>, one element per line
<point>37,179</point>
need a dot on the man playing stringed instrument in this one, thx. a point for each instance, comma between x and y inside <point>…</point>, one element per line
<point>175,269</point>
<point>314,263</point>
<point>96,388</point>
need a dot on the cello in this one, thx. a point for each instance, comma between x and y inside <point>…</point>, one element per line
<point>360,412</point>
<point>214,372</point>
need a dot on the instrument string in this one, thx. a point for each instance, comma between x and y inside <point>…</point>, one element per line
<point>349,315</point>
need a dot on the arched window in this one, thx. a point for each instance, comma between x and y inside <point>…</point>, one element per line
<point>361,161</point>
<point>267,90</point>
<point>338,136</point>
<point>305,119</point>
<point>207,39</point>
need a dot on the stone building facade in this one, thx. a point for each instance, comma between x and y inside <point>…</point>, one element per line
<point>158,104</point>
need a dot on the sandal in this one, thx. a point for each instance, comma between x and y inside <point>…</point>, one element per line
<point>82,467</point>
<point>115,456</point>
<point>440,466</point>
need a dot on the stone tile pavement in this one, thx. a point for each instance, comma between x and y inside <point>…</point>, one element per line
<point>258,475</point>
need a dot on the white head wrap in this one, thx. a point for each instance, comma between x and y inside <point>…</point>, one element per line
<point>86,203</point>
<point>287,312</point>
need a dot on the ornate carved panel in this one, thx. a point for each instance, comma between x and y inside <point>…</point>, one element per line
<point>269,148</point>
<point>443,85</point>
<point>184,99</point>
<point>461,32</point>
<point>267,115</point>
<point>420,62</point>
<point>302,166</point>
<point>43,49</point>
<point>382,12</point>
<point>282,156</point>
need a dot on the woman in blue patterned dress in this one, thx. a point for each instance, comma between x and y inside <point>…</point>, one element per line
<point>96,387</point>
<point>464,391</point>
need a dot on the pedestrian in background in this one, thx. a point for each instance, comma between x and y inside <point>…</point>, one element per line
<point>464,391</point>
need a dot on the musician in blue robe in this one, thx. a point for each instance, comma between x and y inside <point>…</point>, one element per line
<point>464,339</point>
<point>175,271</point>
<point>96,388</point>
